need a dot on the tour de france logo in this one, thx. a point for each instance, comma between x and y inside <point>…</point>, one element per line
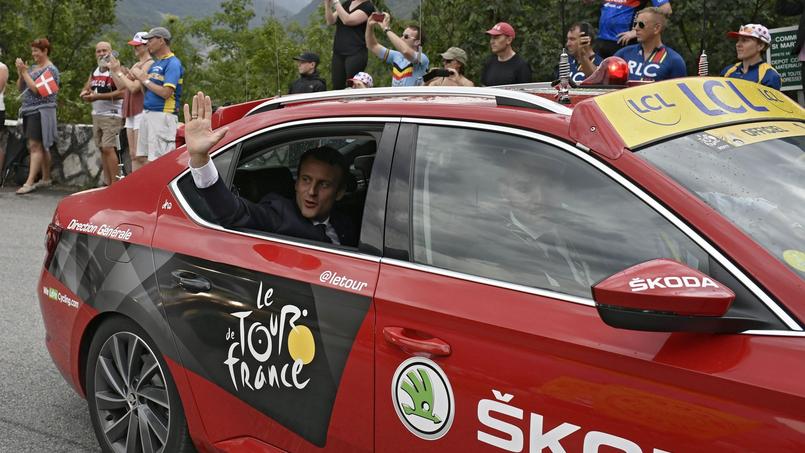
<point>423,398</point>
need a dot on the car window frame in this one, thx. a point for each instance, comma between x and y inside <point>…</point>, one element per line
<point>370,251</point>
<point>404,161</point>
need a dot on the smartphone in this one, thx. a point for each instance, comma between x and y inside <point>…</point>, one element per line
<point>378,17</point>
<point>585,28</point>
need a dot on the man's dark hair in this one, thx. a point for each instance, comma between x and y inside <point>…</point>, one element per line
<point>329,156</point>
<point>419,34</point>
<point>585,28</point>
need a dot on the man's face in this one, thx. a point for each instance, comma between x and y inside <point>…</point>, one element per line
<point>499,43</point>
<point>305,67</point>
<point>451,64</point>
<point>317,189</point>
<point>646,27</point>
<point>411,37</point>
<point>523,193</point>
<point>154,44</point>
<point>747,47</point>
<point>102,49</point>
<point>572,43</point>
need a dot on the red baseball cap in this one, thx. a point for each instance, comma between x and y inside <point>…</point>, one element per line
<point>501,28</point>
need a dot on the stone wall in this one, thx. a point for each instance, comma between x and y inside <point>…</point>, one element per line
<point>76,159</point>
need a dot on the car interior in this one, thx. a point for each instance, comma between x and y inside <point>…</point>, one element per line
<point>268,163</point>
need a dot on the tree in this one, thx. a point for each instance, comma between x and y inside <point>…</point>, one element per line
<point>71,28</point>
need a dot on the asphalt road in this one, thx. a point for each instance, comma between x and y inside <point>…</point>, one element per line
<point>39,411</point>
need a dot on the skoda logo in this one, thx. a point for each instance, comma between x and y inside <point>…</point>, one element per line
<point>423,398</point>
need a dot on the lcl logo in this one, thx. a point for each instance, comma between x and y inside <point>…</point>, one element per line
<point>712,98</point>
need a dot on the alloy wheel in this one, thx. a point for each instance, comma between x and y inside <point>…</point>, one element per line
<point>131,395</point>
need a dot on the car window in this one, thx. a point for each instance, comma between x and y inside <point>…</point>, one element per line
<point>522,211</point>
<point>266,166</point>
<point>750,173</point>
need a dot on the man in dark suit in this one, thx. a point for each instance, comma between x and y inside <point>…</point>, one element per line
<point>321,181</point>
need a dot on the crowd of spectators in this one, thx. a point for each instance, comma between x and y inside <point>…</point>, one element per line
<point>144,98</point>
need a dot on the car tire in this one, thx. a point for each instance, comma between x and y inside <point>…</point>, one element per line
<point>131,394</point>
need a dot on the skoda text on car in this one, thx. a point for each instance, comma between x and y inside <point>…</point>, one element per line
<point>623,273</point>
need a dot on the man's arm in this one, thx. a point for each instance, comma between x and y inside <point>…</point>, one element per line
<point>408,52</point>
<point>665,8</point>
<point>585,62</point>
<point>123,76</point>
<point>171,80</point>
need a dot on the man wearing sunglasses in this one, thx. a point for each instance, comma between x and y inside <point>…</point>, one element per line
<point>409,63</point>
<point>162,85</point>
<point>649,59</point>
<point>615,25</point>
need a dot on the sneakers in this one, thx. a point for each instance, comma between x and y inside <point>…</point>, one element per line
<point>26,189</point>
<point>42,183</point>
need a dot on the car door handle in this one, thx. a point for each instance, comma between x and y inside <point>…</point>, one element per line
<point>416,343</point>
<point>191,282</point>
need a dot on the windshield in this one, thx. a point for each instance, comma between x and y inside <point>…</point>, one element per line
<point>753,174</point>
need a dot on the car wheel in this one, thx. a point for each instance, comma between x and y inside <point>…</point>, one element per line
<point>133,402</point>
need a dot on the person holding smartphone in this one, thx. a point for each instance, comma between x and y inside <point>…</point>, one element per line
<point>583,60</point>
<point>349,46</point>
<point>452,73</point>
<point>107,110</point>
<point>409,63</point>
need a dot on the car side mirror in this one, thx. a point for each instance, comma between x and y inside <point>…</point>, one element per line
<point>663,295</point>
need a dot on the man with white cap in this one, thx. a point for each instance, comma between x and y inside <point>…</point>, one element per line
<point>504,66</point>
<point>752,41</point>
<point>163,89</point>
<point>133,96</point>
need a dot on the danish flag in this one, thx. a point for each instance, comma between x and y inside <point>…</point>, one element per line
<point>45,84</point>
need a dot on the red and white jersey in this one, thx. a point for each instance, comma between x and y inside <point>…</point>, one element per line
<point>102,82</point>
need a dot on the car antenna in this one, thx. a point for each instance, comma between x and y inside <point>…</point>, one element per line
<point>276,47</point>
<point>704,68</point>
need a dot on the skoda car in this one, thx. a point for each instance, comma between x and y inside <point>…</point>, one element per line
<point>624,272</point>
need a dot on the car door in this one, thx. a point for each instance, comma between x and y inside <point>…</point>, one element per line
<point>275,332</point>
<point>487,337</point>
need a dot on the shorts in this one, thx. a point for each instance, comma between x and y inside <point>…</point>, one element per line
<point>105,130</point>
<point>32,126</point>
<point>157,134</point>
<point>2,119</point>
<point>133,122</point>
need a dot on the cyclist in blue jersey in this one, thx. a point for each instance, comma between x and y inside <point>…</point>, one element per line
<point>649,59</point>
<point>752,41</point>
<point>615,25</point>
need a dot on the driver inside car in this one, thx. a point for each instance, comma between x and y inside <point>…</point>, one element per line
<point>321,181</point>
<point>528,221</point>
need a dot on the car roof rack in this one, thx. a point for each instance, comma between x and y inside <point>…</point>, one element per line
<point>503,97</point>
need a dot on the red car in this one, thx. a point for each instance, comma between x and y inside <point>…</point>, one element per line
<point>623,273</point>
